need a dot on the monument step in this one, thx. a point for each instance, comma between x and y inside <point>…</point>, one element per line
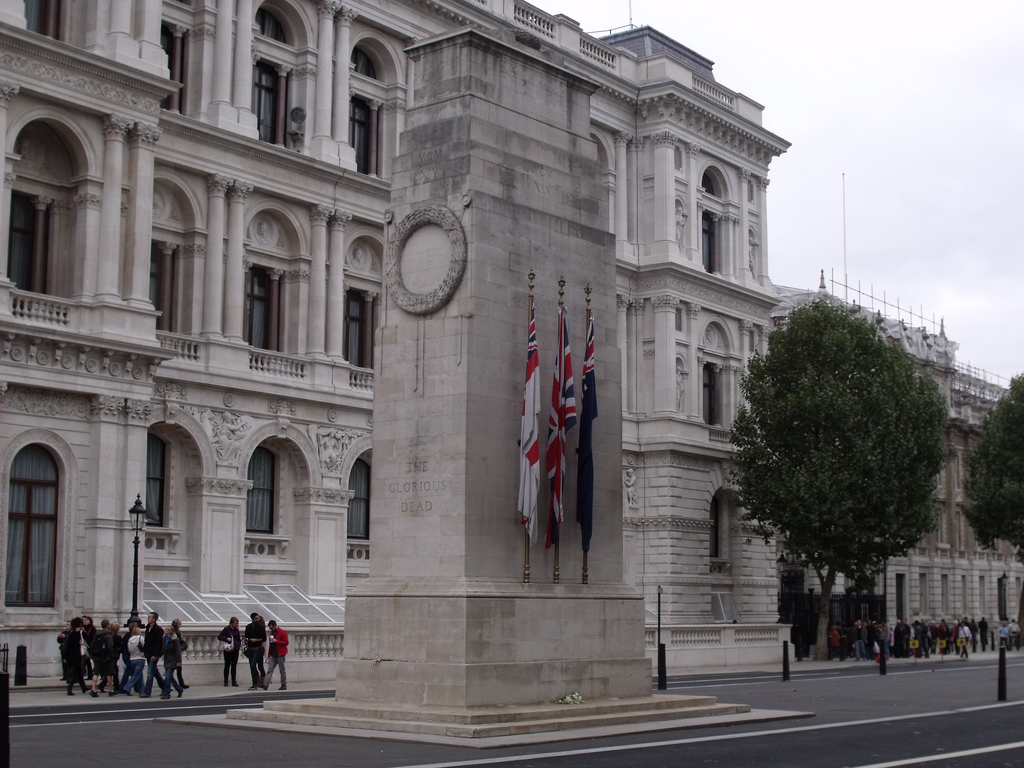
<point>488,723</point>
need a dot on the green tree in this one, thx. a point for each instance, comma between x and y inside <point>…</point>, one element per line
<point>995,475</point>
<point>837,447</point>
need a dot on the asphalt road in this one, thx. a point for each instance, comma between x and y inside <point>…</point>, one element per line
<point>943,714</point>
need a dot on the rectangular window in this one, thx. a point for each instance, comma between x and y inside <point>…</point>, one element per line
<point>359,133</point>
<point>21,241</point>
<point>710,403</point>
<point>264,101</point>
<point>982,597</point>
<point>257,308</point>
<point>707,248</point>
<point>354,328</point>
<point>156,465</point>
<point>259,507</point>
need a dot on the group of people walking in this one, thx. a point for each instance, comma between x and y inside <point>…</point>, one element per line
<point>91,655</point>
<point>259,641</point>
<point>868,640</point>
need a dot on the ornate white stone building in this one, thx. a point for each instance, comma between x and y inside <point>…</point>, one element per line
<point>194,212</point>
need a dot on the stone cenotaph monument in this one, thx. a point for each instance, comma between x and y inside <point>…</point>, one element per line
<point>497,176</point>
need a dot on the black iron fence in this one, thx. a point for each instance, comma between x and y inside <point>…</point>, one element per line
<point>800,611</point>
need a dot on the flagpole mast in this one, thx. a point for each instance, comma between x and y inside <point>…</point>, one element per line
<point>561,305</point>
<point>586,570</point>
<point>526,531</point>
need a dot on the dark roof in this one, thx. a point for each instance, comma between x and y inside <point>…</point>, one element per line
<point>647,41</point>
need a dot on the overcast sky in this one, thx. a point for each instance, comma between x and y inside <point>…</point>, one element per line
<point>921,105</point>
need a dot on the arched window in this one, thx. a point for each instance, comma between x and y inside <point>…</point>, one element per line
<point>362,64</point>
<point>259,503</point>
<point>707,243</point>
<point>359,506</point>
<point>269,26</point>
<point>156,472</point>
<point>714,537</point>
<point>708,182</point>
<point>710,395</point>
<point>32,528</point>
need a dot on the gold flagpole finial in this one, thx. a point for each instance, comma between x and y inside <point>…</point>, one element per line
<point>561,292</point>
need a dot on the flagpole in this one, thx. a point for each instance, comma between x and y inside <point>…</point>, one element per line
<point>561,306</point>
<point>526,531</point>
<point>586,570</point>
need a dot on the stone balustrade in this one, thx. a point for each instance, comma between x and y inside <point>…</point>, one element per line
<point>184,347</point>
<point>33,308</point>
<point>712,645</point>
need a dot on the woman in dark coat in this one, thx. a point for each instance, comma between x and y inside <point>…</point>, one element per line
<point>231,643</point>
<point>72,655</point>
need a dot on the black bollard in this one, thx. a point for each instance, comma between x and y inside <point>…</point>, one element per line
<point>21,665</point>
<point>5,719</point>
<point>785,661</point>
<point>881,662</point>
<point>1001,696</point>
<point>662,672</point>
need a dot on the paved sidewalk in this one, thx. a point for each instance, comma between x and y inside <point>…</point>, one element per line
<point>52,692</point>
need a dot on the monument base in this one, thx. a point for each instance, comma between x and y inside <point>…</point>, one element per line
<point>474,644</point>
<point>498,726</point>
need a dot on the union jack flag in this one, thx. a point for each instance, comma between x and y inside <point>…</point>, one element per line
<point>562,418</point>
<point>529,442</point>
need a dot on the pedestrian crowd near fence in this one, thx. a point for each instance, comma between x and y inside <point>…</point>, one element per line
<point>873,640</point>
<point>107,660</point>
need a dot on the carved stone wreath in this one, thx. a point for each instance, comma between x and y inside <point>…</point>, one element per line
<point>425,303</point>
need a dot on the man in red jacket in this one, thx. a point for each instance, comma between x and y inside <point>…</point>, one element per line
<point>278,640</point>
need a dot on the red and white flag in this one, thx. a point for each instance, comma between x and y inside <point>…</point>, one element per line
<point>529,434</point>
<point>561,419</point>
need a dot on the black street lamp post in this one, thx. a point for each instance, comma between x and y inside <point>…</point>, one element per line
<point>137,514</point>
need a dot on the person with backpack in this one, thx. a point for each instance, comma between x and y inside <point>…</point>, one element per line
<point>136,660</point>
<point>104,658</point>
<point>173,646</point>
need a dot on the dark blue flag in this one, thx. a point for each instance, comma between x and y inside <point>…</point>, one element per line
<point>585,453</point>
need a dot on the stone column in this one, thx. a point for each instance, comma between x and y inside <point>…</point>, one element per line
<point>621,196</point>
<point>213,285</point>
<point>114,128</point>
<point>762,265</point>
<point>140,212</point>
<point>318,215</point>
<point>8,91</point>
<point>242,81</point>
<point>121,45</point>
<point>163,323</point>
<point>664,246</point>
<point>177,57</point>
<point>743,246</point>
<point>664,352</point>
<point>89,212</point>
<point>336,286</point>
<point>631,344</point>
<point>274,320</point>
<point>371,140</point>
<point>632,196</point>
<point>342,57</point>
<point>234,272</point>
<point>147,24</point>
<point>281,109</point>
<point>222,114</point>
<point>322,146</point>
<point>693,392</point>
<point>729,250</point>
<point>622,337</point>
<point>37,282</point>
<point>693,231</point>
<point>369,299</point>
